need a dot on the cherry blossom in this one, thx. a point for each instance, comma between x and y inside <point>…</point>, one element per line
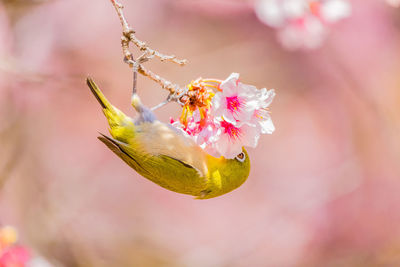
<point>235,102</point>
<point>232,137</point>
<point>198,99</point>
<point>301,24</point>
<point>225,122</point>
<point>208,137</point>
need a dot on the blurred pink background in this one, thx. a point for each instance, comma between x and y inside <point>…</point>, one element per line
<point>323,188</point>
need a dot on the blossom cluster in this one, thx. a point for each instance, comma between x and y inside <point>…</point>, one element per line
<point>222,123</point>
<point>302,24</point>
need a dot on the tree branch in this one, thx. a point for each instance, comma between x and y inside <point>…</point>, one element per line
<point>128,36</point>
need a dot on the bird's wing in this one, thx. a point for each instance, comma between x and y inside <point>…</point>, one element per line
<point>166,171</point>
<point>115,146</point>
<point>158,138</point>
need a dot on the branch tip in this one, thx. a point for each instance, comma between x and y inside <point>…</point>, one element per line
<point>128,36</point>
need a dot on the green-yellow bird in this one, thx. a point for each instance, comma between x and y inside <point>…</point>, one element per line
<point>167,157</point>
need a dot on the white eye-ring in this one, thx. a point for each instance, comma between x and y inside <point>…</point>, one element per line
<point>241,157</point>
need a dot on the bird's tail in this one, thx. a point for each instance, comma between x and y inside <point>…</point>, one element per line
<point>121,126</point>
<point>98,94</point>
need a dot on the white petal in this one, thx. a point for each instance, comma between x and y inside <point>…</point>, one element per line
<point>227,148</point>
<point>247,90</point>
<point>243,116</point>
<point>210,149</point>
<point>262,93</point>
<point>252,105</point>
<point>265,97</point>
<point>218,105</point>
<point>250,135</point>
<point>229,117</point>
<point>229,86</point>
<point>267,127</point>
<point>335,10</point>
<point>234,150</point>
<point>217,101</point>
<point>246,112</point>
<point>222,145</point>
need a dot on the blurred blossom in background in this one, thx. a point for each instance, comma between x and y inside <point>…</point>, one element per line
<point>323,189</point>
<point>395,3</point>
<point>301,23</point>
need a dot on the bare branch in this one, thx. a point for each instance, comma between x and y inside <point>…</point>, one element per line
<point>165,84</point>
<point>129,36</point>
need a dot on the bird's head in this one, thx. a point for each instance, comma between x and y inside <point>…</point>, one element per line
<point>225,174</point>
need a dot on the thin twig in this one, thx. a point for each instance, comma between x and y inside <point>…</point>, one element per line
<point>128,36</point>
<point>175,91</point>
<point>160,105</point>
<point>165,84</point>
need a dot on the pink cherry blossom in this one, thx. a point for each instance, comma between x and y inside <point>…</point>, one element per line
<point>236,117</point>
<point>232,138</point>
<point>194,123</point>
<point>236,101</point>
<point>204,134</point>
<point>207,138</point>
<point>301,24</point>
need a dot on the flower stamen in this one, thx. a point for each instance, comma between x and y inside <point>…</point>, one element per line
<point>233,103</point>
<point>212,81</point>
<point>230,129</point>
<point>198,98</point>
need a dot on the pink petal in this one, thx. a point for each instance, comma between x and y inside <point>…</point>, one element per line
<point>216,102</point>
<point>229,86</point>
<point>250,135</point>
<point>244,115</point>
<point>211,150</point>
<point>229,117</point>
<point>227,148</point>
<point>265,97</point>
<point>246,89</point>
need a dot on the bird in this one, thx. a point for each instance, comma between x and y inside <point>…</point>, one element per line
<point>165,155</point>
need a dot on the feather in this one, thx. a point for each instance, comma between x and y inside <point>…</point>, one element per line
<point>115,146</point>
<point>166,171</point>
<point>158,138</point>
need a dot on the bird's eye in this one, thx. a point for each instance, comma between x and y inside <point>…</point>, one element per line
<point>241,157</point>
